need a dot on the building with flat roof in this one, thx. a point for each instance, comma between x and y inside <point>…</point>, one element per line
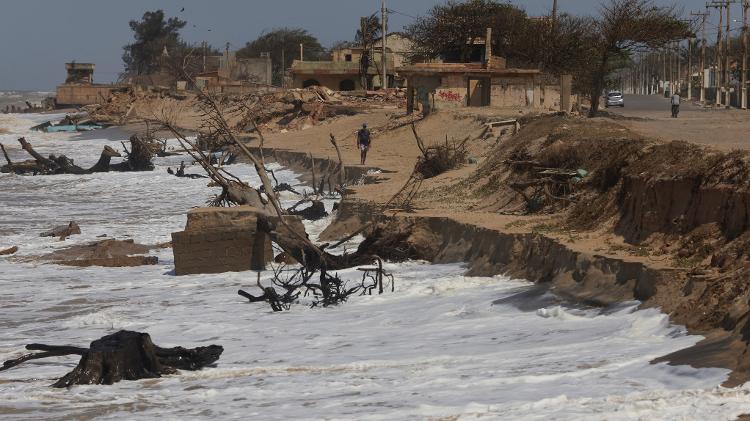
<point>79,87</point>
<point>342,72</point>
<point>80,73</point>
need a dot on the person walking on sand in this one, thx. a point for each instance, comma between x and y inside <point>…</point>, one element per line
<point>675,104</point>
<point>363,142</point>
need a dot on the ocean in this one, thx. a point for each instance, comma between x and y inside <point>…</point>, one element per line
<point>442,346</point>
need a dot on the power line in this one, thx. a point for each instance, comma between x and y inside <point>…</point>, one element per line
<point>402,13</point>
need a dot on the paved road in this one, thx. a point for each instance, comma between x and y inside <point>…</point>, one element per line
<point>720,128</point>
<point>654,105</point>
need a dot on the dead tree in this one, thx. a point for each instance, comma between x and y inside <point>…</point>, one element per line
<point>440,158</point>
<point>124,355</point>
<point>314,212</point>
<point>138,159</point>
<point>340,170</point>
<point>328,291</point>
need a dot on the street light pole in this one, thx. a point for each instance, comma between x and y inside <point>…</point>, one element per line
<point>383,21</point>
<point>727,70</point>
<point>703,54</point>
<point>745,7</point>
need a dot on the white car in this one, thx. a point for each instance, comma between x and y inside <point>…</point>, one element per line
<point>614,99</point>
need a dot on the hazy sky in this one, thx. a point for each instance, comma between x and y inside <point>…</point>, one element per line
<point>38,36</point>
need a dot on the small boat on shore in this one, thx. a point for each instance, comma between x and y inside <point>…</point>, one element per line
<point>69,124</point>
<point>71,128</point>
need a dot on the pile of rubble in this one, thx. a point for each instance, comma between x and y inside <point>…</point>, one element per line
<point>290,109</point>
<point>298,109</point>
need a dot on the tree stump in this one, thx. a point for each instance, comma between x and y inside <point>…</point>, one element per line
<point>124,355</point>
<point>312,213</point>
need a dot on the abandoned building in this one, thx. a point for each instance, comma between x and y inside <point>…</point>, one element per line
<point>231,75</point>
<point>342,72</point>
<point>488,82</point>
<point>79,87</point>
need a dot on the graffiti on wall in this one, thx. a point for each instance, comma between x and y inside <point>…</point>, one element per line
<point>451,96</point>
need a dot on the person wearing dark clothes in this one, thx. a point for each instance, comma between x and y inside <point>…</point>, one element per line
<point>363,142</point>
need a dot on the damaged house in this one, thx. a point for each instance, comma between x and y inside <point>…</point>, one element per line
<point>79,87</point>
<point>488,82</point>
<point>342,72</point>
<point>231,75</point>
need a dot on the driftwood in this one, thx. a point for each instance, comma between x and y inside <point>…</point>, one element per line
<point>140,160</point>
<point>138,157</point>
<point>9,251</point>
<point>125,355</point>
<point>316,211</point>
<point>341,170</point>
<point>440,158</point>
<point>5,154</point>
<point>63,231</point>
<point>312,169</point>
<point>328,291</point>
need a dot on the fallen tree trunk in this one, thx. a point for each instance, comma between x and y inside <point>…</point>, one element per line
<point>125,355</point>
<point>63,231</point>
<point>311,213</point>
<point>138,159</point>
<point>9,251</point>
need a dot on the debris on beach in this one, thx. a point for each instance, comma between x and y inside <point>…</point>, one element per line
<point>71,123</point>
<point>8,251</point>
<point>314,212</point>
<point>125,355</point>
<point>102,253</point>
<point>63,231</point>
<point>138,158</point>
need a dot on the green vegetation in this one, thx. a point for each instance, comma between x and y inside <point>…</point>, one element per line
<point>283,45</point>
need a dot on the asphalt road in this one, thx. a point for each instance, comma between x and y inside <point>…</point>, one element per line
<point>717,127</point>
<point>646,104</point>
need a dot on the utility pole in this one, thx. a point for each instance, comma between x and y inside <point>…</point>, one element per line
<point>384,21</point>
<point>745,7</point>
<point>679,69</point>
<point>727,70</point>
<point>703,54</point>
<point>664,72</point>
<point>690,69</point>
<point>670,54</point>
<point>554,12</point>
<point>718,73</point>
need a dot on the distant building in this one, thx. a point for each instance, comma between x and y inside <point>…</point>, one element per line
<point>488,82</point>
<point>228,74</point>
<point>342,72</point>
<point>79,87</point>
<point>80,73</point>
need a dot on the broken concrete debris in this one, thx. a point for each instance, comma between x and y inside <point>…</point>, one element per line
<point>217,240</point>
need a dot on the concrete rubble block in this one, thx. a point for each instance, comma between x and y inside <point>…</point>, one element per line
<point>218,240</point>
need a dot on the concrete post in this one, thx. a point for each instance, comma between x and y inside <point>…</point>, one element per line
<point>488,47</point>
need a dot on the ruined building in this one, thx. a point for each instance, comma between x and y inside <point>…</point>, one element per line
<point>228,74</point>
<point>342,72</point>
<point>486,82</point>
<point>79,87</point>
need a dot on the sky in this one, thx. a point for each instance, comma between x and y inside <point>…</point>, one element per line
<point>38,36</point>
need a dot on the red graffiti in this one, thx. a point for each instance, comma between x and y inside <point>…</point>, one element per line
<point>450,96</point>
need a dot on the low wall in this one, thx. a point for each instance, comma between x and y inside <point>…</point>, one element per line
<point>83,94</point>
